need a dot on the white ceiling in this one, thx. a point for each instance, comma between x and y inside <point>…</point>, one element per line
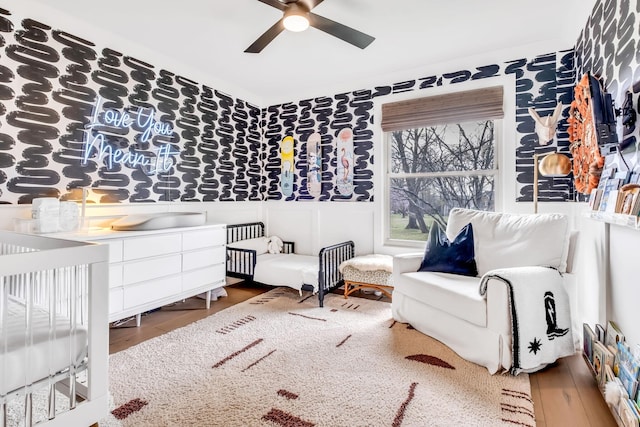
<point>210,36</point>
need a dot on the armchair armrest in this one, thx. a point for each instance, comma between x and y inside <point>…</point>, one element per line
<point>499,318</point>
<point>509,283</point>
<point>498,313</point>
<point>406,263</point>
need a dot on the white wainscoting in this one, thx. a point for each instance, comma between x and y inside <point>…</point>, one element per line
<point>314,225</point>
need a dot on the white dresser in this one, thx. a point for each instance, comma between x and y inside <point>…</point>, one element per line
<point>148,269</point>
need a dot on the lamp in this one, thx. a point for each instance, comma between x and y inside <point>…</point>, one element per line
<point>551,165</point>
<point>80,194</point>
<point>296,17</point>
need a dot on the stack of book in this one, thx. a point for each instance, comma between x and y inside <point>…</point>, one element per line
<point>617,192</point>
<point>613,360</point>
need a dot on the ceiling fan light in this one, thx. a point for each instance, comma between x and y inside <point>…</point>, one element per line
<point>296,23</point>
<point>295,18</point>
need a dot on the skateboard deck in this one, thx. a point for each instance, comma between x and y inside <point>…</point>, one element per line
<point>314,165</point>
<point>286,165</point>
<point>344,155</point>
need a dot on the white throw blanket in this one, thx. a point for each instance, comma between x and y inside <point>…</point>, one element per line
<point>540,315</point>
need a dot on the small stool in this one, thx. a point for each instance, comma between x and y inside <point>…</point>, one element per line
<point>368,271</point>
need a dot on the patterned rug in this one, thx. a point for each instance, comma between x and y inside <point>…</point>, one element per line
<point>280,360</point>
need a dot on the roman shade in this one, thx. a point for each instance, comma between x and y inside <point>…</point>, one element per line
<point>457,107</point>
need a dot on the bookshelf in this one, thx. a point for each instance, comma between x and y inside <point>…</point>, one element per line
<point>628,221</point>
<point>614,414</point>
<point>613,363</point>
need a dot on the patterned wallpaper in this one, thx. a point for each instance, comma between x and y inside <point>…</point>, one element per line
<point>50,82</point>
<point>223,148</point>
<point>609,47</point>
<point>541,82</point>
<point>327,116</point>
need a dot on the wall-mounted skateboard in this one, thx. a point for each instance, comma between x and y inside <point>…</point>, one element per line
<point>314,165</point>
<point>344,155</point>
<point>286,165</point>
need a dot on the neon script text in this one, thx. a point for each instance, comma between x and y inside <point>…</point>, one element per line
<point>111,121</point>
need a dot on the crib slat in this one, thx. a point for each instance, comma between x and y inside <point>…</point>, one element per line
<point>330,258</point>
<point>28,410</point>
<point>51,404</point>
<point>40,295</point>
<point>236,232</point>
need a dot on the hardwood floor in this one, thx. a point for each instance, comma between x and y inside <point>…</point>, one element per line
<point>176,315</point>
<point>564,394</point>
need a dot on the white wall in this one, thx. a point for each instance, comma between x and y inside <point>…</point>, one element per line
<point>314,225</point>
<point>606,275</point>
<point>622,285</point>
<point>590,267</point>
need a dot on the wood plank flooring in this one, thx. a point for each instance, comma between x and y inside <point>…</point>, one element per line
<point>564,394</point>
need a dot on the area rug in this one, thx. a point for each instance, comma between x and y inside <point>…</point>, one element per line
<point>280,360</point>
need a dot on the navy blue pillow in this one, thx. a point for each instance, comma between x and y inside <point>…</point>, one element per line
<point>457,257</point>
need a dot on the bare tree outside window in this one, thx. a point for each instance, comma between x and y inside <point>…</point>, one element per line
<point>434,169</point>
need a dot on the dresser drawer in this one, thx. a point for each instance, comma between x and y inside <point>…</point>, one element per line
<point>203,238</point>
<point>115,275</point>
<point>148,269</point>
<point>196,278</point>
<point>144,247</point>
<point>145,292</point>
<point>203,258</point>
<point>116,300</point>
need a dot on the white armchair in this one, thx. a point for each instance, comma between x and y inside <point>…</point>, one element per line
<point>450,308</point>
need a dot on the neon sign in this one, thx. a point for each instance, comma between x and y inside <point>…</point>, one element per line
<point>112,121</point>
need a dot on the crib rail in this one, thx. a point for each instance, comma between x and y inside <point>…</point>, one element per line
<point>250,230</point>
<point>288,247</point>
<point>53,322</point>
<point>241,263</point>
<point>329,275</point>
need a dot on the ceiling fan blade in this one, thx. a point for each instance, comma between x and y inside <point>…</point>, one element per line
<point>275,3</point>
<point>311,3</point>
<point>266,38</point>
<point>348,34</point>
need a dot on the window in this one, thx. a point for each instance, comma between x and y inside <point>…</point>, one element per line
<point>434,167</point>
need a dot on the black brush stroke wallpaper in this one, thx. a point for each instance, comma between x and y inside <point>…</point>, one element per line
<point>609,48</point>
<point>226,149</point>
<point>50,82</point>
<point>541,82</point>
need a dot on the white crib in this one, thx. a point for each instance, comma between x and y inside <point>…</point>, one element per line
<point>53,331</point>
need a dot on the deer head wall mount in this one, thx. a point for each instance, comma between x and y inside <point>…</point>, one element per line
<point>546,126</point>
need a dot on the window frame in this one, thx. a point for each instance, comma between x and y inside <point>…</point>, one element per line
<point>507,134</point>
<point>388,176</point>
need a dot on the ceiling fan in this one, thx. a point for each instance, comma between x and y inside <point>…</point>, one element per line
<point>298,16</point>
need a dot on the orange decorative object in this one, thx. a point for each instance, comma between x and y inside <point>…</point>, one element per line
<point>587,160</point>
